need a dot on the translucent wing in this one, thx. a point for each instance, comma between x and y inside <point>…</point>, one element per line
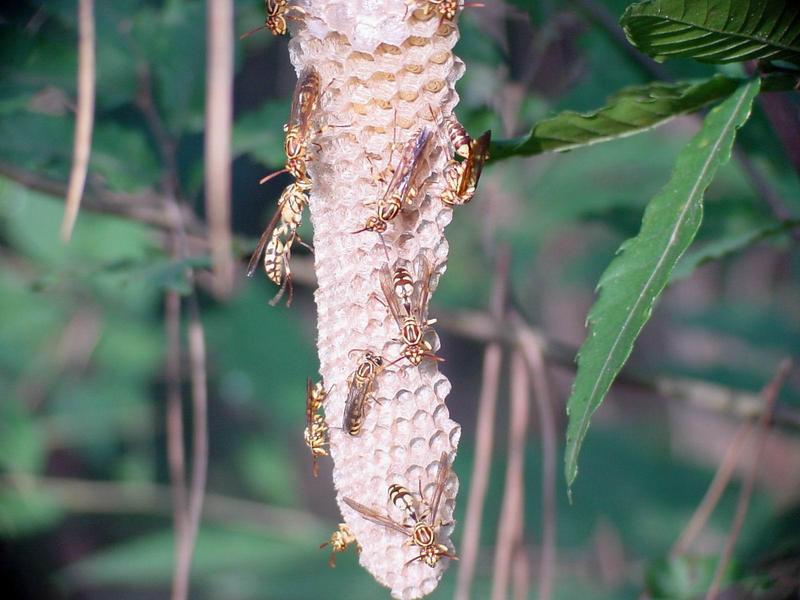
<point>371,515</point>
<point>441,479</point>
<point>387,285</point>
<point>255,258</point>
<point>309,403</point>
<point>408,166</point>
<point>354,405</point>
<point>419,301</point>
<point>304,100</point>
<point>478,154</point>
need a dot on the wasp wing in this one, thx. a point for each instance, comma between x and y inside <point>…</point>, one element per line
<point>304,100</point>
<point>478,154</point>
<point>371,515</point>
<point>265,238</point>
<point>441,479</point>
<point>354,404</point>
<point>392,301</point>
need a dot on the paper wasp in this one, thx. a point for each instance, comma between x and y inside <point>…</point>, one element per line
<point>316,431</point>
<point>410,310</point>
<point>276,242</point>
<point>306,96</point>
<point>340,540</point>
<point>423,526</point>
<point>457,135</point>
<point>446,9</point>
<point>402,186</point>
<point>461,178</point>
<point>277,13</point>
<point>360,387</point>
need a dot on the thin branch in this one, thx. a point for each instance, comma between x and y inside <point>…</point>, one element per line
<point>107,497</point>
<point>785,122</point>
<point>521,575</point>
<point>531,350</point>
<point>610,24</point>
<point>219,119</point>
<point>715,490</point>
<point>174,416</point>
<point>165,142</point>
<point>484,436</point>
<point>189,511</point>
<point>197,361</point>
<point>84,117</point>
<point>769,395</point>
<point>146,208</point>
<point>480,326</point>
<point>767,193</point>
<point>509,535</point>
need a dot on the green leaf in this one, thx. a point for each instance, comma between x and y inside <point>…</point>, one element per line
<point>717,32</point>
<point>730,244</point>
<point>634,280</point>
<point>259,134</point>
<point>633,110</point>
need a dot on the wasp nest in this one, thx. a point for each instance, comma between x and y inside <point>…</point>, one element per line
<point>387,73</point>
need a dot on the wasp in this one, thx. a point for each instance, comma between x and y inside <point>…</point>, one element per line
<point>305,99</point>
<point>458,136</point>
<point>340,540</point>
<point>461,178</point>
<point>422,527</point>
<point>360,387</point>
<point>316,431</point>
<point>446,9</point>
<point>275,244</point>
<point>407,301</point>
<point>277,13</point>
<point>402,188</point>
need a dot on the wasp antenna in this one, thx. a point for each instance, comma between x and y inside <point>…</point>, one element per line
<point>396,360</point>
<point>385,251</point>
<point>264,180</point>
<point>252,31</point>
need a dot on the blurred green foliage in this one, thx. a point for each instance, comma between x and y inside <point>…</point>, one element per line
<point>82,341</point>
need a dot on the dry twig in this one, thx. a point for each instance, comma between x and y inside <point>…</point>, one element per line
<point>484,436</point>
<point>219,119</point>
<point>509,535</point>
<point>714,492</point>
<point>769,395</point>
<point>531,349</point>
<point>111,497</point>
<point>174,417</point>
<point>480,326</point>
<point>84,116</point>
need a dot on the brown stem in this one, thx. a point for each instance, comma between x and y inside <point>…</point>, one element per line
<point>531,350</point>
<point>107,497</point>
<point>769,395</point>
<point>480,326</point>
<point>484,436</point>
<point>509,535</point>
<point>84,117</point>
<point>715,490</point>
<point>175,451</point>
<point>219,119</point>
<point>197,362</point>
